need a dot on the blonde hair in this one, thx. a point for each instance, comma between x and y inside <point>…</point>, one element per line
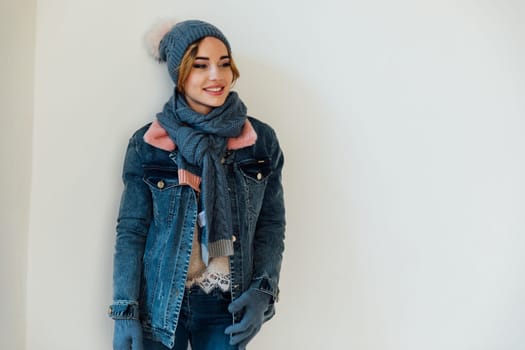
<point>186,64</point>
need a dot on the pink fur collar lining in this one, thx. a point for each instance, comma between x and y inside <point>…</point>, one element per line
<point>158,137</point>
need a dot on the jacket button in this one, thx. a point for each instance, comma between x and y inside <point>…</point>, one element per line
<point>160,184</point>
<point>234,238</point>
<point>259,176</point>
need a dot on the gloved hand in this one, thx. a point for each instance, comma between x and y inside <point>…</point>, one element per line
<point>254,303</point>
<point>127,335</point>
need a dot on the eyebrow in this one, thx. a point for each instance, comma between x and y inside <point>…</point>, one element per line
<point>207,58</point>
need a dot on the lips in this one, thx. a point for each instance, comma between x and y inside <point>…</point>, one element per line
<point>214,90</point>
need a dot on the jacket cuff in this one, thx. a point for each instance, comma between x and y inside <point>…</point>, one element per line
<point>266,285</point>
<point>124,310</point>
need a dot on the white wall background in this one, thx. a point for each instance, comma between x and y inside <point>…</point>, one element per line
<point>17,48</point>
<point>402,125</point>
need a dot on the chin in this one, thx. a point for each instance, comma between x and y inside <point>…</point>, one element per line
<point>216,103</point>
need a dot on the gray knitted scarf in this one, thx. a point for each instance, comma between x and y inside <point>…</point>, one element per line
<point>201,142</point>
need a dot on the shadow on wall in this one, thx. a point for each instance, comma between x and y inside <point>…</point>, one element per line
<point>316,148</point>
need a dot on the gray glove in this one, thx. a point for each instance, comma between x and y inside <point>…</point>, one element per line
<point>127,335</point>
<point>254,303</point>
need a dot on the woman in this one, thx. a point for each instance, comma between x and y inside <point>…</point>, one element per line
<point>201,223</point>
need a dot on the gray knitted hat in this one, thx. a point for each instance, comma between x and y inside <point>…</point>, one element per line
<point>169,41</point>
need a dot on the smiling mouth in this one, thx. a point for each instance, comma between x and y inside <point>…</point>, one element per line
<point>214,89</point>
<point>217,89</point>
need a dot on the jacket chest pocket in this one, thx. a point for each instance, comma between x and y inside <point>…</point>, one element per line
<point>256,170</point>
<point>255,173</point>
<point>165,192</point>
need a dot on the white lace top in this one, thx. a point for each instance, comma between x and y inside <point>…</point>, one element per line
<point>216,275</point>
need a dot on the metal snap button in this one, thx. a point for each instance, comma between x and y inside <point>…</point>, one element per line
<point>160,184</point>
<point>259,176</point>
<point>234,238</point>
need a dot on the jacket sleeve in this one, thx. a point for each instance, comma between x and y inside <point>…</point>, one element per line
<point>133,222</point>
<point>270,229</point>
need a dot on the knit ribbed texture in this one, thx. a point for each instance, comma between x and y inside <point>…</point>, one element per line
<point>201,141</point>
<point>223,247</point>
<point>187,178</point>
<point>176,41</point>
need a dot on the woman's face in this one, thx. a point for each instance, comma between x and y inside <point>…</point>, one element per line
<point>210,78</point>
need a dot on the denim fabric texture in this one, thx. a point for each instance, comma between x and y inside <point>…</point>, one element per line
<point>155,227</point>
<point>202,320</point>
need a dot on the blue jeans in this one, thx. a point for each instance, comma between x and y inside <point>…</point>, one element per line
<point>202,321</point>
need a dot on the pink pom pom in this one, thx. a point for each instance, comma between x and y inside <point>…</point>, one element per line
<point>155,35</point>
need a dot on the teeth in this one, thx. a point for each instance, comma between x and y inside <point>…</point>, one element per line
<point>217,89</point>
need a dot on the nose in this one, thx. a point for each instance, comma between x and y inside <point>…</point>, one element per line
<point>214,72</point>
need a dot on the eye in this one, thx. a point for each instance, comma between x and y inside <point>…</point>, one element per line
<point>199,65</point>
<point>226,64</point>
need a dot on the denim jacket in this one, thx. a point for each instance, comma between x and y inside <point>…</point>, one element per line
<point>156,222</point>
